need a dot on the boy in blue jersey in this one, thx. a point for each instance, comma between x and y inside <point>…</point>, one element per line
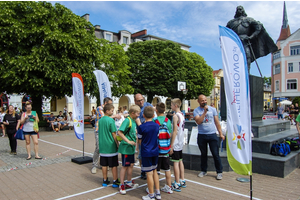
<point>147,134</point>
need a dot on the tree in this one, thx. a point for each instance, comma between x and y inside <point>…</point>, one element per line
<point>199,78</point>
<point>267,80</point>
<point>296,100</point>
<point>156,67</point>
<point>41,45</point>
<point>113,61</point>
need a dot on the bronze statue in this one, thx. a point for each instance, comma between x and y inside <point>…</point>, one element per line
<point>255,39</point>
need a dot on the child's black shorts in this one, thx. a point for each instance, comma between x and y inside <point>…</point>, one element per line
<point>163,163</point>
<point>109,161</point>
<point>176,156</point>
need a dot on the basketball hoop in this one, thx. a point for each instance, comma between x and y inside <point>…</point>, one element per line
<point>184,91</point>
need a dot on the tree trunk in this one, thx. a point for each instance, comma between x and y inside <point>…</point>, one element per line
<point>37,105</point>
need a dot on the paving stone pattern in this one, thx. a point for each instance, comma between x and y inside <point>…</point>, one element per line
<point>56,177</point>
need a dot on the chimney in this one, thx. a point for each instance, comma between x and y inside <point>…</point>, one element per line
<point>97,26</point>
<point>86,17</point>
<point>139,33</point>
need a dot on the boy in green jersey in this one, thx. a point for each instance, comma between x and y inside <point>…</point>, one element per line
<point>127,132</point>
<point>108,145</point>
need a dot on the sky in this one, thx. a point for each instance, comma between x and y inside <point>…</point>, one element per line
<point>194,23</point>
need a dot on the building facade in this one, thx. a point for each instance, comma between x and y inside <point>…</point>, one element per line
<point>286,64</point>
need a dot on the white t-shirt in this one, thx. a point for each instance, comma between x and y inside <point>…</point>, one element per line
<point>179,140</point>
<point>2,117</point>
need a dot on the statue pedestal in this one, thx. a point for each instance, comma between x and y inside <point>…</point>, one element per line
<point>256,98</point>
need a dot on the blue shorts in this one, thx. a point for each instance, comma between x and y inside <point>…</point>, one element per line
<point>149,163</point>
<point>280,116</point>
<point>30,133</point>
<point>127,160</point>
<point>62,123</point>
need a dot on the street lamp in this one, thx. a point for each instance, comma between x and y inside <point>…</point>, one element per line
<point>217,105</point>
<point>270,102</point>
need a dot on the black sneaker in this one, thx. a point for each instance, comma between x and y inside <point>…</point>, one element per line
<point>116,183</point>
<point>143,176</point>
<point>105,183</point>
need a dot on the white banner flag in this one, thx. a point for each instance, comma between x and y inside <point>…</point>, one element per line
<point>78,105</point>
<point>103,84</point>
<point>237,92</point>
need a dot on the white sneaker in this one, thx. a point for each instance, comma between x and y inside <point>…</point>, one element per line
<point>157,196</point>
<point>94,170</point>
<point>201,174</point>
<point>167,189</point>
<point>122,189</point>
<point>131,185</point>
<point>148,197</point>
<point>219,176</point>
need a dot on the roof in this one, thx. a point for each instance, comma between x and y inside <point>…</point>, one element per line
<point>144,36</point>
<point>216,72</point>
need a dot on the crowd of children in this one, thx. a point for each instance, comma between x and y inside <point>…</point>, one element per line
<point>158,142</point>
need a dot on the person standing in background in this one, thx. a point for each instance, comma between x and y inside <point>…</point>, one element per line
<point>2,114</point>
<point>12,122</point>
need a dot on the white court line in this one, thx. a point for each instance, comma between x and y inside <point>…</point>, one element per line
<point>92,190</point>
<point>139,176</point>
<point>63,146</point>
<point>224,190</point>
<point>112,194</point>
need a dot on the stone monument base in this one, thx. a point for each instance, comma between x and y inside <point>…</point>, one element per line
<point>256,98</point>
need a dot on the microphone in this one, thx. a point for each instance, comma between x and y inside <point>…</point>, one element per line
<point>205,105</point>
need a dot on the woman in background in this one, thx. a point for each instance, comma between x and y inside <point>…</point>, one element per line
<point>27,119</point>
<point>70,121</point>
<point>12,122</point>
<point>2,114</point>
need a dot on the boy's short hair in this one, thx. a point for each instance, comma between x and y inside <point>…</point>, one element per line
<point>176,102</point>
<point>107,99</point>
<point>160,107</point>
<point>108,107</point>
<point>148,112</point>
<point>134,108</point>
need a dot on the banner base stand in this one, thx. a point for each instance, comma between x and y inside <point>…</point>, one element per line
<point>243,180</point>
<point>82,160</point>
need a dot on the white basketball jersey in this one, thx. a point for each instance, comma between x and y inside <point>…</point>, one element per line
<point>179,140</point>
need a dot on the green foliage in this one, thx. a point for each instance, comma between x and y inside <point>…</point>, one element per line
<point>199,78</point>
<point>267,80</point>
<point>113,61</point>
<point>156,67</point>
<point>296,100</point>
<point>41,45</point>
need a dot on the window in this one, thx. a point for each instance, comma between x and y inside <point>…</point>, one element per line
<point>277,69</point>
<point>276,85</point>
<point>276,55</point>
<point>291,67</point>
<point>53,104</point>
<point>108,36</point>
<point>291,84</point>
<point>295,50</point>
<point>125,40</point>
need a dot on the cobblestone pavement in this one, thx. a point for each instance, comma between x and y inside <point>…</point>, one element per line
<point>56,177</point>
